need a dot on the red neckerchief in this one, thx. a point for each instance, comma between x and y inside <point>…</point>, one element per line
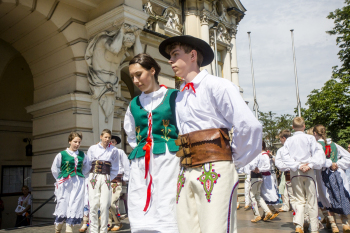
<point>188,86</point>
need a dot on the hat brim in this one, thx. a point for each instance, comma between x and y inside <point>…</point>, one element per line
<point>200,45</point>
<point>118,139</point>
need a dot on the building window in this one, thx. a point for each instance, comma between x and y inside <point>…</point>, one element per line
<point>220,64</point>
<point>14,177</point>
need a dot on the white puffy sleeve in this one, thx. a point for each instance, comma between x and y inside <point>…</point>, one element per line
<point>86,166</point>
<point>125,164</point>
<point>129,127</point>
<point>287,160</point>
<point>318,158</point>
<point>115,163</point>
<point>279,162</point>
<point>264,163</point>
<point>56,166</point>
<point>343,158</point>
<point>253,164</point>
<point>247,130</point>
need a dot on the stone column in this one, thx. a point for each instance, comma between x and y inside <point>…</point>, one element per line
<point>234,66</point>
<point>205,35</point>
<point>227,64</point>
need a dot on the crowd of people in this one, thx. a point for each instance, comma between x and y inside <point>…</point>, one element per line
<point>182,172</point>
<point>313,180</point>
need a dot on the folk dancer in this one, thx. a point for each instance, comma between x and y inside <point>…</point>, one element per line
<point>117,183</point>
<point>104,163</point>
<point>206,110</point>
<point>303,156</point>
<point>150,124</point>
<point>69,168</point>
<point>333,185</point>
<point>258,166</point>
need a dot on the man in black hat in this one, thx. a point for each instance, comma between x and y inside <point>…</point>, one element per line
<point>117,183</point>
<point>206,110</point>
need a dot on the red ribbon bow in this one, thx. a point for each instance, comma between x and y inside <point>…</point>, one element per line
<point>328,151</point>
<point>188,86</point>
<point>147,148</point>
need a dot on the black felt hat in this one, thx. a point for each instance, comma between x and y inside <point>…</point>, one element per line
<point>200,45</point>
<point>117,139</point>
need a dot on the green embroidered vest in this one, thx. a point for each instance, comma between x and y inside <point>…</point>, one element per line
<point>164,130</point>
<point>68,165</point>
<point>334,151</point>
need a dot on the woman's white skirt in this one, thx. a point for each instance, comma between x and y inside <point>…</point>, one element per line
<point>70,201</point>
<point>269,190</point>
<point>161,214</point>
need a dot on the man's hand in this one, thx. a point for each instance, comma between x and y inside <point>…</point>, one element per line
<point>305,168</point>
<point>256,170</point>
<point>334,167</point>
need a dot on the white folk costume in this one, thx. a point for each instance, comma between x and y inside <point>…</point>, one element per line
<point>302,149</point>
<point>263,164</point>
<point>289,198</point>
<point>333,186</point>
<point>69,169</point>
<point>104,164</point>
<point>150,124</point>
<point>247,185</point>
<point>117,182</point>
<point>206,109</point>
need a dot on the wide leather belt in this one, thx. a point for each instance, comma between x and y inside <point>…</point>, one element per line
<point>204,146</point>
<point>118,178</point>
<point>101,167</point>
<point>255,175</point>
<point>287,175</point>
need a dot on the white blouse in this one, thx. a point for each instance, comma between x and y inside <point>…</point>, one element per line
<point>262,162</point>
<point>124,165</point>
<point>56,165</point>
<point>217,103</point>
<point>149,102</point>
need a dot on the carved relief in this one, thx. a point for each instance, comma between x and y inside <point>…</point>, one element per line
<point>104,54</point>
<point>235,70</point>
<point>147,8</point>
<point>173,20</point>
<point>204,19</point>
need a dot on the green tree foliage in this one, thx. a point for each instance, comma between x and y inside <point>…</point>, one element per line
<point>330,104</point>
<point>272,126</point>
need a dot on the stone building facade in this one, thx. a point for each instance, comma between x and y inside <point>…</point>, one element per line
<point>54,78</point>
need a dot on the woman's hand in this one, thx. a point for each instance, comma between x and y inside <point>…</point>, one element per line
<point>334,167</point>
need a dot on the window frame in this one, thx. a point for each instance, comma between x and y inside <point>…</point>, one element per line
<point>2,180</point>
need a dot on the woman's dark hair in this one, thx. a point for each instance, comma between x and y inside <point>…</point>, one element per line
<point>147,62</point>
<point>263,145</point>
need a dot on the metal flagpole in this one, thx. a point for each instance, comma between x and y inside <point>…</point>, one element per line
<point>296,75</point>
<point>255,106</point>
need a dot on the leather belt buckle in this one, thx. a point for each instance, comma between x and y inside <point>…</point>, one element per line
<point>96,167</point>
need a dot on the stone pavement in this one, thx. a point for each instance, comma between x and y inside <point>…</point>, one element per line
<point>281,224</point>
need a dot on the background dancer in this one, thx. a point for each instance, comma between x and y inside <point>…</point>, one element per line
<point>259,165</point>
<point>303,155</point>
<point>332,181</point>
<point>69,169</point>
<point>117,184</point>
<point>206,110</point>
<point>104,160</point>
<point>150,124</point>
<point>268,188</point>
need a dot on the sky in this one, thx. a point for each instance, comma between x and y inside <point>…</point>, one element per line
<point>270,22</point>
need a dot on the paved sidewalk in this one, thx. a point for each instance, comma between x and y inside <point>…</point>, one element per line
<point>281,224</point>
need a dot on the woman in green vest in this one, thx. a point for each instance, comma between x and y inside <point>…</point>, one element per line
<point>69,169</point>
<point>150,124</point>
<point>332,182</point>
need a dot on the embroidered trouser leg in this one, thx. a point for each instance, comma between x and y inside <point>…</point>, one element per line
<point>304,190</point>
<point>116,191</point>
<point>247,191</point>
<point>256,198</point>
<point>207,201</point>
<point>99,199</point>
